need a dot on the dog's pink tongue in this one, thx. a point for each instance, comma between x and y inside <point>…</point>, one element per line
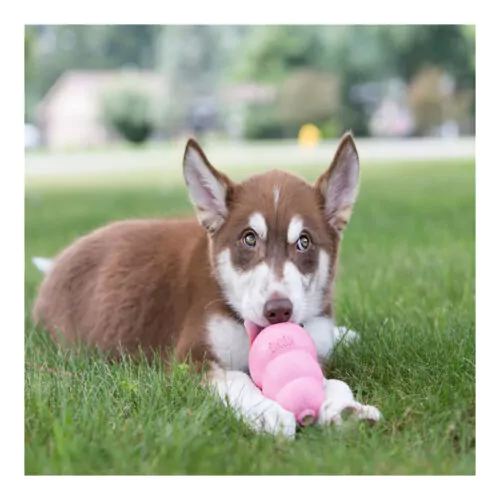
<point>252,330</point>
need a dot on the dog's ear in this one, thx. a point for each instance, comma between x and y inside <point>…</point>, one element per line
<point>338,186</point>
<point>208,188</point>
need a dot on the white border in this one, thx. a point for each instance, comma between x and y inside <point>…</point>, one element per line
<point>487,253</point>
<point>255,12</point>
<point>251,12</point>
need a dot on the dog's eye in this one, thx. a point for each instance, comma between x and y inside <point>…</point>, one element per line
<point>250,239</point>
<point>303,243</point>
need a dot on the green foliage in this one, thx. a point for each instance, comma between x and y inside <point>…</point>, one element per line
<point>59,48</point>
<point>331,129</point>
<point>262,122</point>
<point>196,60</point>
<point>447,46</point>
<point>308,96</point>
<point>406,283</point>
<point>29,53</point>
<point>199,60</point>
<point>430,106</point>
<point>130,113</point>
<point>305,96</point>
<point>359,54</point>
<point>30,70</point>
<point>272,51</point>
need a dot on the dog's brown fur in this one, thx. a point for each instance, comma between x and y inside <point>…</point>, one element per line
<point>115,288</point>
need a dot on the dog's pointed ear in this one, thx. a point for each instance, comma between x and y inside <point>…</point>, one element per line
<point>338,186</point>
<point>208,189</point>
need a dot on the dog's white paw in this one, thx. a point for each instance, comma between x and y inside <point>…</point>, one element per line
<point>340,403</point>
<point>274,420</point>
<point>369,413</point>
<point>326,335</point>
<point>344,335</point>
<point>237,390</point>
<point>338,399</point>
<point>332,413</point>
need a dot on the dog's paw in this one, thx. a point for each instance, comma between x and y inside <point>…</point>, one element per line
<point>342,334</point>
<point>237,391</point>
<point>326,336</point>
<point>333,414</point>
<point>369,413</point>
<point>274,420</point>
<point>340,404</point>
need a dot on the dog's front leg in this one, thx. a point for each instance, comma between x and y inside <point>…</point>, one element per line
<point>262,414</point>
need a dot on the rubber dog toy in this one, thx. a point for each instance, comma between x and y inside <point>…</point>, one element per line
<point>283,363</point>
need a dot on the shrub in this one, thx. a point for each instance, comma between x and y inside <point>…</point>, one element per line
<point>262,123</point>
<point>129,112</point>
<point>305,96</point>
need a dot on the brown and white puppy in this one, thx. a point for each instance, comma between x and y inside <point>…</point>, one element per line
<point>264,251</point>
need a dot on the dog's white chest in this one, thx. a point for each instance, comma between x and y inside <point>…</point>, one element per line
<point>229,342</point>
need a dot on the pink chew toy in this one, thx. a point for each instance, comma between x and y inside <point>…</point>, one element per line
<point>283,364</point>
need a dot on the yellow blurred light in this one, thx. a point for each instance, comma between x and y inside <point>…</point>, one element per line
<point>309,135</point>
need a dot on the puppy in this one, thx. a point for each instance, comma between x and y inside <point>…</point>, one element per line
<point>262,251</point>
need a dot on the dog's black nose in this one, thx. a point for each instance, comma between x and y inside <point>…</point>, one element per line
<point>278,310</point>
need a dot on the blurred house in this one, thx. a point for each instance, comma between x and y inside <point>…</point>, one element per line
<point>69,116</point>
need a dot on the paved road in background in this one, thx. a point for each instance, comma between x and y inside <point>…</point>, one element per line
<point>244,155</point>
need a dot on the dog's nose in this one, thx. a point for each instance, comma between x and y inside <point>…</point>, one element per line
<point>278,310</point>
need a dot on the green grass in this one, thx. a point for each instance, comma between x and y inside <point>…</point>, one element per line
<point>406,283</point>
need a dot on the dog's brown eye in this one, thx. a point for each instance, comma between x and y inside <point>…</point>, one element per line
<point>250,239</point>
<point>303,243</point>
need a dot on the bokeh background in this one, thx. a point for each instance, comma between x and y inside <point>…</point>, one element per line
<point>92,86</point>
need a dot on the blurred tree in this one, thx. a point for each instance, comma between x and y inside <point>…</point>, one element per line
<point>426,56</point>
<point>413,47</point>
<point>196,58</point>
<point>470,33</point>
<point>305,95</point>
<point>271,52</point>
<point>356,55</point>
<point>295,59</point>
<point>434,101</point>
<point>58,48</point>
<point>359,55</point>
<point>130,113</point>
<point>29,72</point>
<point>321,90</point>
<point>29,53</point>
<point>425,98</point>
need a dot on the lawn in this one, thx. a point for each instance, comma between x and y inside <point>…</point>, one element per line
<point>406,283</point>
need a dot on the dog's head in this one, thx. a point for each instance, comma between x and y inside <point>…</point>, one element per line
<point>274,238</point>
